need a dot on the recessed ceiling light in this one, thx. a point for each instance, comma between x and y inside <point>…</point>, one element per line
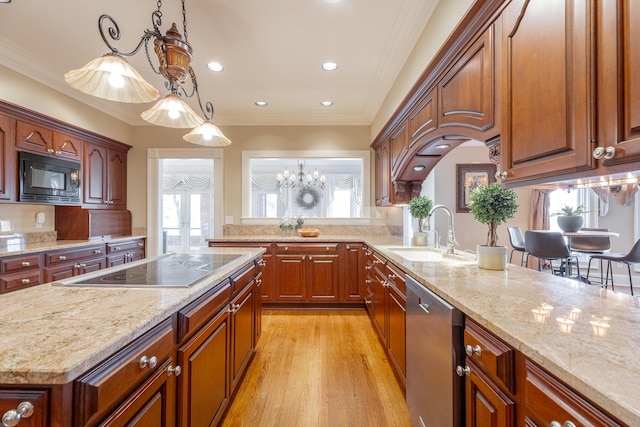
<point>261,103</point>
<point>442,146</point>
<point>215,66</point>
<point>418,168</point>
<point>329,66</point>
<point>326,103</point>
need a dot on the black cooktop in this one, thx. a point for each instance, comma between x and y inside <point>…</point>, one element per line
<point>173,270</point>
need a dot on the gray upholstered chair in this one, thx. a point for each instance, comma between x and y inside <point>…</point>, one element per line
<point>551,246</point>
<point>517,243</point>
<point>631,257</point>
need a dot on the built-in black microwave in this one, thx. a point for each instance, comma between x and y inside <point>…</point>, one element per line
<point>45,179</point>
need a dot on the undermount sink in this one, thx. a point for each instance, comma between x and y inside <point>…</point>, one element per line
<point>414,253</point>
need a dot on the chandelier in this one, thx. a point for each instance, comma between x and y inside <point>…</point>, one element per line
<point>112,77</point>
<point>288,179</point>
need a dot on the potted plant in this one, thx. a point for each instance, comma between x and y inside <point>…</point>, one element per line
<point>569,218</point>
<point>492,205</point>
<point>419,208</point>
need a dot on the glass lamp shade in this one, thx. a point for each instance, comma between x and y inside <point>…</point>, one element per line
<point>111,77</point>
<point>207,134</point>
<point>173,112</point>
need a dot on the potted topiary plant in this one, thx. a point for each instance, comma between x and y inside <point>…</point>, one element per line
<point>492,205</point>
<point>569,218</point>
<point>419,208</point>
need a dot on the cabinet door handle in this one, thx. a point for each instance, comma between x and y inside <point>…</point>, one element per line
<point>463,371</point>
<point>13,416</point>
<point>174,371</point>
<point>25,263</point>
<point>26,281</point>
<point>150,362</point>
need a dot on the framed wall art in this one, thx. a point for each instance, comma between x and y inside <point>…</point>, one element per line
<point>470,176</point>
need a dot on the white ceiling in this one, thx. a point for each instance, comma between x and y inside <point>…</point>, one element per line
<point>271,49</point>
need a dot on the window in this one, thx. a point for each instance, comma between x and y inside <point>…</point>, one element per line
<point>576,197</point>
<point>320,185</point>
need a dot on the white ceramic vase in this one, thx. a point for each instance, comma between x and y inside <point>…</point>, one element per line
<point>492,257</point>
<point>419,238</point>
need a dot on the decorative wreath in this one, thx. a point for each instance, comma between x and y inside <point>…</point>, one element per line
<point>307,198</point>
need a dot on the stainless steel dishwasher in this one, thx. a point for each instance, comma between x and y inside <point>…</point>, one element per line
<point>435,393</point>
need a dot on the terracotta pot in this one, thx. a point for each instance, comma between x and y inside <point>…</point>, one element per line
<point>492,257</point>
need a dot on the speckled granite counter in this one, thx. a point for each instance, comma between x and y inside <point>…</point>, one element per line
<point>52,334</point>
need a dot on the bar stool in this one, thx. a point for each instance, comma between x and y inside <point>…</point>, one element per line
<point>551,246</point>
<point>517,243</point>
<point>631,257</point>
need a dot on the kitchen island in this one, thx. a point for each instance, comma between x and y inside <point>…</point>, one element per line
<point>53,335</point>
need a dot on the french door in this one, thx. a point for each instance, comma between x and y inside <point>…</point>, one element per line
<point>185,219</point>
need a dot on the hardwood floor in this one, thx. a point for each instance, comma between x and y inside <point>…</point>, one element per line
<point>318,368</point>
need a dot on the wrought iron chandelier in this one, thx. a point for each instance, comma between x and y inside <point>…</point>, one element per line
<point>112,77</point>
<point>288,179</point>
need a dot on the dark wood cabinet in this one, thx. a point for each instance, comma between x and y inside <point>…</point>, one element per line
<point>355,275</point>
<point>486,404</point>
<point>119,253</point>
<point>8,172</point>
<point>105,176</point>
<point>20,271</point>
<point>242,333</point>
<point>15,400</point>
<point>398,148</point>
<point>423,118</point>
<point>44,140</point>
<point>548,104</point>
<point>66,263</point>
<point>383,175</point>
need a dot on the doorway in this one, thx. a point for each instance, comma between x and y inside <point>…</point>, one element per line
<point>184,199</point>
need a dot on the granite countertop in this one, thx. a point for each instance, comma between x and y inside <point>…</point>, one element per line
<point>53,245</point>
<point>52,334</point>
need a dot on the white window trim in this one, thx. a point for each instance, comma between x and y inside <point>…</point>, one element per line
<point>636,225</point>
<point>365,156</point>
<point>154,189</point>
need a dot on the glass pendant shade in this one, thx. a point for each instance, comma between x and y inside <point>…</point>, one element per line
<point>207,134</point>
<point>173,112</point>
<point>111,77</point>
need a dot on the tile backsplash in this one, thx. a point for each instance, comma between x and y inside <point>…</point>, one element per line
<point>230,230</point>
<point>23,217</point>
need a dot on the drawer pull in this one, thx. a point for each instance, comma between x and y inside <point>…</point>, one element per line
<point>174,371</point>
<point>116,248</point>
<point>97,252</point>
<point>477,350</point>
<point>393,276</point>
<point>566,424</point>
<point>26,281</point>
<point>463,371</point>
<point>328,248</point>
<point>140,244</point>
<point>286,248</point>
<point>258,282</point>
<point>13,416</point>
<point>62,258</point>
<point>150,362</point>
<point>25,263</point>
<point>262,263</point>
<point>367,267</point>
<point>375,261</point>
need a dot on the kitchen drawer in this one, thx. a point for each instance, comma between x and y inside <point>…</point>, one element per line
<point>492,355</point>
<point>242,278</point>
<point>19,280</point>
<point>11,398</point>
<point>19,263</point>
<point>378,261</point>
<point>52,258</point>
<point>308,248</point>
<point>124,246</point>
<point>395,276</point>
<point>100,390</point>
<point>195,315</point>
<point>549,400</point>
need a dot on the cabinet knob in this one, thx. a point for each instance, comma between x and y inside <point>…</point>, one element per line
<point>50,150</point>
<point>77,266</point>
<point>501,175</point>
<point>555,423</point>
<point>140,244</point>
<point>62,258</point>
<point>150,362</point>
<point>604,152</point>
<point>25,281</point>
<point>174,371</point>
<point>116,248</point>
<point>310,257</point>
<point>463,371</point>
<point>97,252</point>
<point>25,263</point>
<point>393,276</point>
<point>367,267</point>
<point>328,248</point>
<point>258,282</point>
<point>286,248</point>
<point>477,350</point>
<point>368,281</point>
<point>13,416</point>
<point>262,263</point>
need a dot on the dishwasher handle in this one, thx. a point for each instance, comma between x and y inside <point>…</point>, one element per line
<point>425,307</point>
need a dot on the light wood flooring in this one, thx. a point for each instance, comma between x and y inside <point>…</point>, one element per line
<point>318,368</point>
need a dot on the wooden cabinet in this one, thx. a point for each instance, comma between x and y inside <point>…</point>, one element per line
<point>549,400</point>
<point>66,263</point>
<point>8,173</point>
<point>44,140</point>
<point>204,388</point>
<point>242,313</point>
<point>105,176</point>
<point>18,401</point>
<point>618,73</point>
<point>490,391</point>
<point>20,271</point>
<point>383,175</point>
<point>134,375</point>
<point>355,275</point>
<point>398,147</point>
<point>77,223</point>
<point>307,272</point>
<point>423,118</point>
<point>548,96</point>
<point>119,253</point>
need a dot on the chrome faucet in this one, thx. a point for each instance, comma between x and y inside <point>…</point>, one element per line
<point>451,237</point>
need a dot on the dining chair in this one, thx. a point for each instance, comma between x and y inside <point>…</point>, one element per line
<point>591,245</point>
<point>551,246</point>
<point>631,257</point>
<point>517,243</point>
